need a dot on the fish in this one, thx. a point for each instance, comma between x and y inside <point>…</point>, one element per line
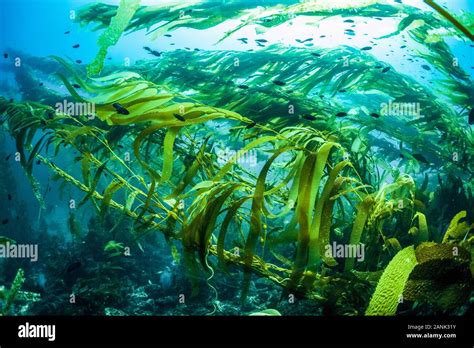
<point>375,115</point>
<point>4,221</point>
<point>167,35</point>
<point>309,117</point>
<point>386,69</point>
<point>76,46</point>
<point>426,67</point>
<point>261,40</point>
<point>41,84</point>
<point>471,117</point>
<point>244,40</point>
<point>78,61</point>
<point>322,36</point>
<point>179,117</point>
<point>73,266</point>
<point>38,162</point>
<point>404,46</point>
<point>75,85</point>
<point>315,54</point>
<point>109,58</point>
<point>243,86</point>
<point>153,52</point>
<point>120,109</point>
<point>8,157</point>
<point>420,158</point>
<point>343,91</point>
<point>378,67</point>
<point>303,41</point>
<point>279,83</point>
<point>348,21</point>
<point>366,48</point>
<point>251,125</point>
<point>9,197</point>
<point>341,114</point>
<point>5,55</point>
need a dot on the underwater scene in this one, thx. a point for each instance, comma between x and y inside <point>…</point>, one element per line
<point>236,158</point>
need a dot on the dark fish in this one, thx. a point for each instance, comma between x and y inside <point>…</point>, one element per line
<point>420,158</point>
<point>73,266</point>
<point>168,35</point>
<point>109,58</point>
<point>179,117</point>
<point>4,221</point>
<point>260,44</point>
<point>303,41</point>
<point>41,83</point>
<point>243,39</point>
<point>67,32</point>
<point>426,67</point>
<point>5,55</point>
<point>75,85</point>
<point>366,48</point>
<point>120,146</point>
<point>76,46</point>
<point>9,197</point>
<point>243,86</point>
<point>279,83</point>
<point>261,40</point>
<point>155,53</point>
<point>403,46</point>
<point>343,91</point>
<point>378,18</point>
<point>471,116</point>
<point>38,162</point>
<point>316,54</point>
<point>378,67</point>
<point>251,125</point>
<point>322,36</point>
<point>78,61</point>
<point>309,117</point>
<point>348,21</point>
<point>8,157</point>
<point>341,114</point>
<point>386,69</point>
<point>375,115</point>
<point>120,109</point>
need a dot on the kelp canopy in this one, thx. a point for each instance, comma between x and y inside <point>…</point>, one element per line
<point>331,169</point>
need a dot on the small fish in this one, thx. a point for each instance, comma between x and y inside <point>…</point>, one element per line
<point>41,83</point>
<point>78,61</point>
<point>9,197</point>
<point>73,266</point>
<point>378,18</point>
<point>261,40</point>
<point>341,114</point>
<point>279,83</point>
<point>343,91</point>
<point>243,86</point>
<point>109,58</point>
<point>471,116</point>
<point>38,162</point>
<point>322,36</point>
<point>8,157</point>
<point>316,54</point>
<point>4,221</point>
<point>5,55</point>
<point>179,117</point>
<point>168,35</point>
<point>366,48</point>
<point>244,40</point>
<point>67,32</point>
<point>348,21</point>
<point>426,67</point>
<point>251,125</point>
<point>375,115</point>
<point>76,46</point>
<point>153,52</point>
<point>420,158</point>
<point>403,46</point>
<point>386,69</point>
<point>120,109</point>
<point>378,67</point>
<point>309,117</point>
<point>75,85</point>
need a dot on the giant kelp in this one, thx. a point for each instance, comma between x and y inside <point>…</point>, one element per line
<point>325,173</point>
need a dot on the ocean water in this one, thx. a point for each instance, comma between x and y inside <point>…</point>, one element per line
<point>236,157</point>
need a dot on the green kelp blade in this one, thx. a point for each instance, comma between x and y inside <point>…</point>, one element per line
<point>111,35</point>
<point>390,287</point>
